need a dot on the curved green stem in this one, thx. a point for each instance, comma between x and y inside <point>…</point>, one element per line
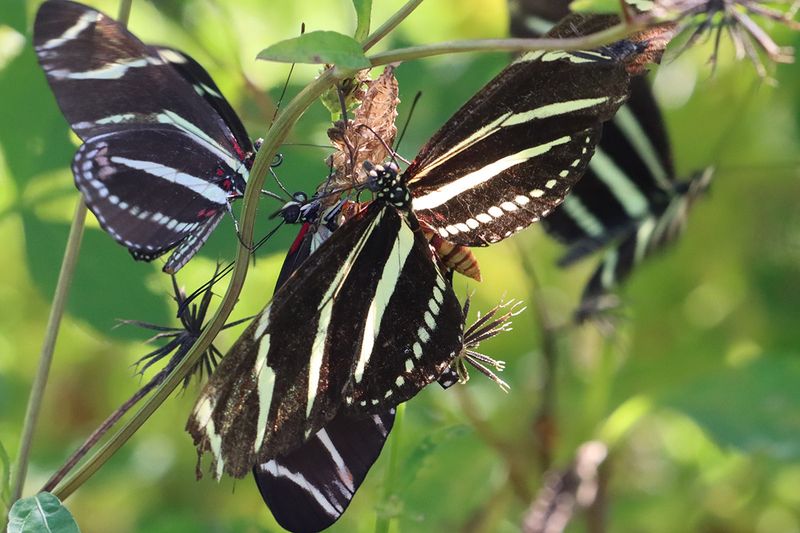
<point>607,36</point>
<point>391,23</point>
<point>272,140</point>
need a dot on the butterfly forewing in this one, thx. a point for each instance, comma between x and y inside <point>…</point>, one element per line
<point>413,327</point>
<point>630,177</point>
<point>84,52</point>
<point>164,151</point>
<point>201,82</point>
<point>309,488</point>
<point>513,152</point>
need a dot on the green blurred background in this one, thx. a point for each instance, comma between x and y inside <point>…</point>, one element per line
<point>696,394</point>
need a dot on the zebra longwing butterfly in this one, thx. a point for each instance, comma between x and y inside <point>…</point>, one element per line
<point>369,319</point>
<point>309,488</point>
<point>629,199</point>
<point>164,153</point>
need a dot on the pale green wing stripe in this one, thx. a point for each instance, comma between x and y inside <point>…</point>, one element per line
<point>627,122</point>
<point>625,191</point>
<point>512,119</point>
<point>383,293</point>
<point>473,179</point>
<point>326,308</point>
<point>581,215</point>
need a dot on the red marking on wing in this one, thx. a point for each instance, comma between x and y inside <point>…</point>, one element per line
<point>299,239</point>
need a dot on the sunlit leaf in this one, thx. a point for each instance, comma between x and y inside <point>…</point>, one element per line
<point>318,47</point>
<point>39,513</point>
<point>754,408</point>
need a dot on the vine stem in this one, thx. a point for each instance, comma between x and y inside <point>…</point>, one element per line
<point>48,347</point>
<point>594,40</point>
<point>390,24</point>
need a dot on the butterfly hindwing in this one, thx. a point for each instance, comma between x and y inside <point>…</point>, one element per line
<point>117,174</point>
<point>309,488</point>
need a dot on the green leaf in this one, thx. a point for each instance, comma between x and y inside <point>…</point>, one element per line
<point>318,47</point>
<point>96,296</point>
<point>754,408</point>
<point>363,11</point>
<point>42,512</point>
<point>421,453</point>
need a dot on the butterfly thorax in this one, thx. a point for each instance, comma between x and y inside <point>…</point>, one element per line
<point>387,185</point>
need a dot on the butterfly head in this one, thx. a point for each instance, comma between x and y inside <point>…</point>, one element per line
<point>387,185</point>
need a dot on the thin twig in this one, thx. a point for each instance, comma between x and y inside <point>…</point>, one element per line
<point>48,347</point>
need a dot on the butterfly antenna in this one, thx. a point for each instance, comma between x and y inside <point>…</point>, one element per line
<point>286,83</point>
<point>394,155</point>
<point>408,120</point>
<point>221,273</point>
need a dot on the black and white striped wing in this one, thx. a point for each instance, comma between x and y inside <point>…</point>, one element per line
<point>204,85</point>
<point>651,234</point>
<point>347,330</point>
<point>117,176</point>
<point>309,488</point>
<point>631,175</point>
<point>630,178</point>
<point>106,80</point>
<point>512,153</point>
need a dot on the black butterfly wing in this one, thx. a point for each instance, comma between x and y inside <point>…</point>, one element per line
<point>413,328</point>
<point>653,233</point>
<point>201,82</point>
<point>632,172</point>
<point>513,152</point>
<point>309,488</point>
<point>117,176</point>
<point>630,177</point>
<point>106,80</point>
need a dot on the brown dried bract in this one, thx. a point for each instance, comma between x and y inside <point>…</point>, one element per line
<point>368,136</point>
